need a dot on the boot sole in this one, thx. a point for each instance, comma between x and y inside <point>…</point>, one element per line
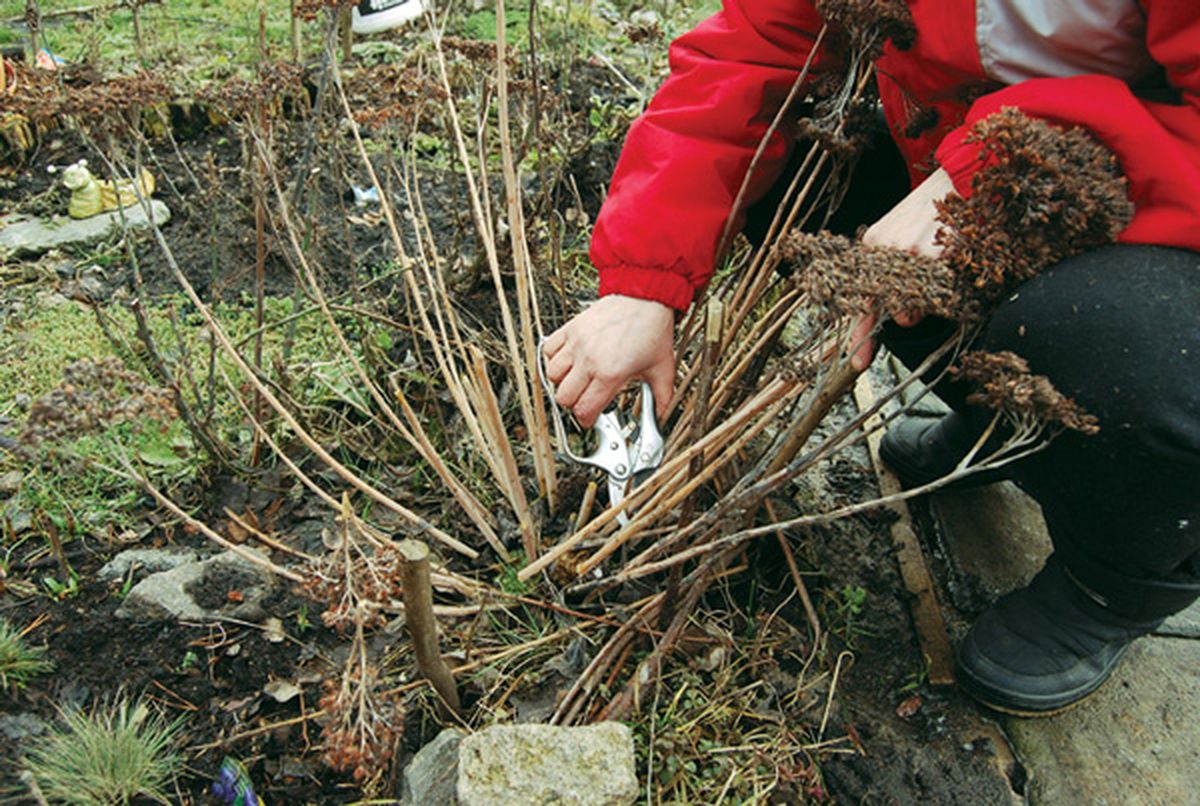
<point>1012,711</point>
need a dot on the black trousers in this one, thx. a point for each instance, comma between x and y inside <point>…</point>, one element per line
<point>1118,330</point>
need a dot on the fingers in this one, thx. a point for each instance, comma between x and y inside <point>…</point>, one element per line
<point>594,400</point>
<point>559,365</point>
<point>571,388</point>
<point>862,345</point>
<point>908,318</point>
<point>661,378</point>
<point>554,342</point>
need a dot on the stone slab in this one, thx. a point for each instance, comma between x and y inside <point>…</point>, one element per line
<point>1136,740</point>
<point>24,236</point>
<point>1183,625</point>
<point>433,773</point>
<point>994,533</point>
<point>544,764</point>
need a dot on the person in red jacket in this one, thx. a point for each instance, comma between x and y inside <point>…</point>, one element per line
<point>1116,328</point>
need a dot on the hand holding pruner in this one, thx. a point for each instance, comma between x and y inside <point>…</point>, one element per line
<point>628,453</point>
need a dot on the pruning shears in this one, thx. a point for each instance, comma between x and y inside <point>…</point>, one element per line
<point>627,452</point>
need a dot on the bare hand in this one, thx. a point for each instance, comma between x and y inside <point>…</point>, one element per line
<point>614,341</point>
<point>911,225</point>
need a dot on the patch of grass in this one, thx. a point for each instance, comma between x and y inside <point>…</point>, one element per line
<point>65,482</point>
<point>482,25</point>
<point>19,662</point>
<point>109,757</point>
<point>207,38</point>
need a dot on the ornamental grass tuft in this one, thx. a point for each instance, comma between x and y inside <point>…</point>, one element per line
<point>19,662</point>
<point>108,757</point>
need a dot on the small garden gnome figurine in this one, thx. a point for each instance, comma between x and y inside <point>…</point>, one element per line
<point>91,196</point>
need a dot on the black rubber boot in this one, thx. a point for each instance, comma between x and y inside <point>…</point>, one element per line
<point>921,449</point>
<point>1043,648</point>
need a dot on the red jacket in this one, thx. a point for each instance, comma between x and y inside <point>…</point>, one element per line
<point>1094,63</point>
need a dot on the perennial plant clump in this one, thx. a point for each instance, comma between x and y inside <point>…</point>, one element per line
<point>117,754</point>
<point>19,662</point>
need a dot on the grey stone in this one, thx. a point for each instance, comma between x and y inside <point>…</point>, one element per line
<point>10,482</point>
<point>995,533</point>
<point>23,236</point>
<point>1183,625</point>
<point>433,773</point>
<point>21,726</point>
<point>543,764</point>
<point>1136,740</point>
<point>150,561</point>
<point>172,593</point>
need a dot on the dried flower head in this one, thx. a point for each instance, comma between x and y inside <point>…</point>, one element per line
<point>239,97</point>
<point>103,105</point>
<point>360,724</point>
<point>309,10</point>
<point>644,32</point>
<point>1006,384</point>
<point>356,583</point>
<point>391,93</point>
<point>843,128</point>
<point>868,24</point>
<point>846,277</point>
<point>1045,193</point>
<point>93,396</point>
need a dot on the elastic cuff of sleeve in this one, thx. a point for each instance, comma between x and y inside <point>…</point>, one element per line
<point>960,159</point>
<point>658,285</point>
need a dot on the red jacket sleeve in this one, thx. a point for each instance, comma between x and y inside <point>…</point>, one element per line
<point>1158,144</point>
<point>686,157</point>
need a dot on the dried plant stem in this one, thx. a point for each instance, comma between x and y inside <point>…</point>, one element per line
<point>421,623</point>
<point>267,539</point>
<point>416,437</point>
<point>522,373</point>
<point>646,676</point>
<point>677,465</point>
<point>833,684</point>
<point>668,496</point>
<point>585,507</point>
<point>506,463</point>
<point>836,384</point>
<point>577,696</point>
<point>347,475</point>
<point>439,338</point>
<point>814,621</point>
<point>528,385</point>
<point>250,556</point>
<point>474,509</point>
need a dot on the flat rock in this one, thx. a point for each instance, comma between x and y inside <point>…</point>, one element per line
<point>1136,740</point>
<point>544,764</point>
<point>10,482</point>
<point>996,534</point>
<point>21,726</point>
<point>24,236</point>
<point>1183,625</point>
<point>178,592</point>
<point>150,561</point>
<point>432,775</point>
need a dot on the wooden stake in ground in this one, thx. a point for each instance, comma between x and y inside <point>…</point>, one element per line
<point>422,626</point>
<point>926,613</point>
